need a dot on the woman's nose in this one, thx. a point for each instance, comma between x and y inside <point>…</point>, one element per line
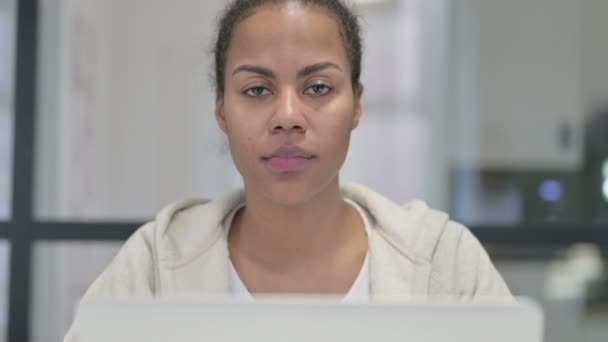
<point>288,114</point>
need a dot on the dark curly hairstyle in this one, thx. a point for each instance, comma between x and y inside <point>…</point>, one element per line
<point>238,10</point>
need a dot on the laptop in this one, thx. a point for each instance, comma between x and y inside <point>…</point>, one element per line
<point>304,320</point>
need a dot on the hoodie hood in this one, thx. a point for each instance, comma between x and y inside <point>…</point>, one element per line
<point>188,228</point>
<point>191,241</point>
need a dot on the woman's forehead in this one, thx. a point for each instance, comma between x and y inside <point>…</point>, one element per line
<point>294,32</point>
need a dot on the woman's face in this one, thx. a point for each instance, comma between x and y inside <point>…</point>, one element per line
<point>288,106</point>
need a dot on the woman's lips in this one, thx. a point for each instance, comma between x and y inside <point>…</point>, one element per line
<point>287,164</point>
<point>289,158</point>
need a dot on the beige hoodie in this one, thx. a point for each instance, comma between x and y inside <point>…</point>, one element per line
<point>414,251</point>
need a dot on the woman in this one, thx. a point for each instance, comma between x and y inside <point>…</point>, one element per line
<point>288,97</point>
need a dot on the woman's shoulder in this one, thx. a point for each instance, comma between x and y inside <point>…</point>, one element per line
<point>189,226</point>
<point>414,226</point>
<point>178,231</point>
<point>459,264</point>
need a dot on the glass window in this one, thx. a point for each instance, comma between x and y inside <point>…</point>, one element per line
<point>125,117</point>
<point>7,53</point>
<point>4,288</point>
<point>62,273</point>
<point>495,122</point>
<point>126,120</point>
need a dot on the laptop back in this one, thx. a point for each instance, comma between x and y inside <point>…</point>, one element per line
<point>190,321</point>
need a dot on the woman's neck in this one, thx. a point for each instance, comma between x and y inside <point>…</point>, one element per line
<point>286,236</point>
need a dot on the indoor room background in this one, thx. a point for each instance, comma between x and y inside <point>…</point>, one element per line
<point>493,110</point>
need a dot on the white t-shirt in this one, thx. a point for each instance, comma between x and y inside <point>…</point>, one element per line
<point>359,291</point>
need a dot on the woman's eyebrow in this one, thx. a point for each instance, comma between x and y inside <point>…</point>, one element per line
<point>307,70</point>
<point>311,69</point>
<point>254,69</point>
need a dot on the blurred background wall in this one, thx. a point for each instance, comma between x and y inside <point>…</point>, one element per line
<point>493,110</point>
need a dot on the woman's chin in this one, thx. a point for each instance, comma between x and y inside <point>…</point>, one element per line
<point>290,194</point>
<point>284,192</point>
<point>288,191</point>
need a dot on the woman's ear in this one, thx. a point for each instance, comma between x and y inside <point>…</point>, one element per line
<point>219,112</point>
<point>358,92</point>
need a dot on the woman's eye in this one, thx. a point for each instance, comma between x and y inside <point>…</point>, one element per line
<point>257,91</point>
<point>318,89</point>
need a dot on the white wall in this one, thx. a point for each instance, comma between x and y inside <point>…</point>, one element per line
<point>133,128</point>
<point>516,84</point>
<point>594,53</point>
<point>391,150</point>
<point>165,142</point>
